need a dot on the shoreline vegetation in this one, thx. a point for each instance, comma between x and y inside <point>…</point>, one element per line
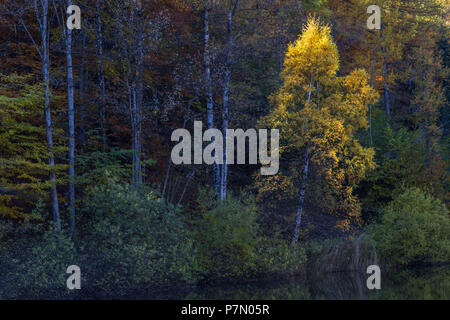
<point>134,239</point>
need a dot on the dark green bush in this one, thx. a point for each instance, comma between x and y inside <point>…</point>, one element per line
<point>35,267</point>
<point>135,240</point>
<point>230,245</point>
<point>279,256</point>
<point>34,258</point>
<point>414,228</point>
<point>226,235</point>
<point>341,254</point>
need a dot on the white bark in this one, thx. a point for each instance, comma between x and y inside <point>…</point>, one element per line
<point>301,198</point>
<point>42,16</point>
<point>226,96</point>
<point>138,94</point>
<point>209,94</point>
<point>101,73</point>
<point>71,116</point>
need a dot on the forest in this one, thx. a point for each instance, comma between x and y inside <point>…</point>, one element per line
<point>88,113</point>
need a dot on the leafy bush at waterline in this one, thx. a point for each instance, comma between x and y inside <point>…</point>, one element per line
<point>230,244</point>
<point>414,228</point>
<point>226,235</point>
<point>337,255</point>
<point>35,267</point>
<point>136,239</point>
<point>280,256</point>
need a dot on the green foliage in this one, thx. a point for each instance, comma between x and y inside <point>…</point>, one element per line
<point>401,162</point>
<point>230,244</point>
<point>34,258</point>
<point>280,256</point>
<point>98,167</point>
<point>226,235</point>
<point>417,284</point>
<point>338,255</point>
<point>35,266</point>
<point>414,228</point>
<point>135,239</point>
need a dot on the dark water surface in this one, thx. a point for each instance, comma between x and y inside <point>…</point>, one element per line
<point>417,284</point>
<point>429,283</point>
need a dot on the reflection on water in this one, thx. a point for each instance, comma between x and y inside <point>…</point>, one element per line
<point>429,283</point>
<point>414,284</point>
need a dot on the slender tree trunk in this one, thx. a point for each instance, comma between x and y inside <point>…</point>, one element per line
<point>71,116</point>
<point>301,198</point>
<point>132,112</point>
<point>209,94</point>
<point>186,185</point>
<point>48,120</point>
<point>386,94</point>
<point>175,187</point>
<point>386,100</point>
<point>169,165</point>
<point>101,73</point>
<point>136,137</point>
<point>82,81</point>
<point>310,91</point>
<point>138,95</point>
<point>279,43</point>
<point>226,97</point>
<point>372,76</point>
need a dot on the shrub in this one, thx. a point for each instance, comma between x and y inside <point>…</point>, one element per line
<point>341,254</point>
<point>280,256</point>
<point>226,235</point>
<point>35,267</point>
<point>136,239</point>
<point>34,258</point>
<point>414,228</point>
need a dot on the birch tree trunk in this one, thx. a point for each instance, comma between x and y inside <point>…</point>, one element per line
<point>226,96</point>
<point>134,58</point>
<point>301,197</point>
<point>136,136</point>
<point>372,76</point>
<point>209,94</point>
<point>169,165</point>
<point>386,99</point>
<point>101,73</point>
<point>186,185</point>
<point>71,116</point>
<point>139,92</point>
<point>82,80</point>
<point>45,54</point>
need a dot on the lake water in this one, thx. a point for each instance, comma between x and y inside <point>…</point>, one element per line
<point>429,283</point>
<point>417,284</point>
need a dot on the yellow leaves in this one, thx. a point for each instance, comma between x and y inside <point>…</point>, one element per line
<point>272,189</point>
<point>24,170</point>
<point>321,111</point>
<point>312,55</point>
<point>353,105</point>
